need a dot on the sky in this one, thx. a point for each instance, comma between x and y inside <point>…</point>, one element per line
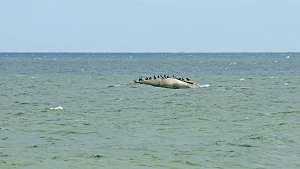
<point>149,26</point>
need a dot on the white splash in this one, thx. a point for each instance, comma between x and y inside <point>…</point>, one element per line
<point>57,108</point>
<point>206,85</point>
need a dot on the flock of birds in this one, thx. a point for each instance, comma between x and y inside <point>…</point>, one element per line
<point>164,77</point>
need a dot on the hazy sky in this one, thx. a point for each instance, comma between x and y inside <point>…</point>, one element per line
<point>149,25</point>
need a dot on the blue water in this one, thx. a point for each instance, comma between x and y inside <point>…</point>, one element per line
<point>81,110</point>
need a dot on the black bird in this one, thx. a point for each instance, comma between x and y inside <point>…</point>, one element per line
<point>165,76</point>
<point>174,77</point>
<point>146,78</point>
<point>140,79</point>
<point>150,78</point>
<point>187,79</point>
<point>154,77</point>
<point>168,76</point>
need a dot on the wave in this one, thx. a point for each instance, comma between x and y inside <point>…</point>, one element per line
<point>57,108</point>
<point>203,86</point>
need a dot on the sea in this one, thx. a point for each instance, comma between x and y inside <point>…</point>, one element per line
<point>82,110</point>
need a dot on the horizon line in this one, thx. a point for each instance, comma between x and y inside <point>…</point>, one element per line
<point>150,52</point>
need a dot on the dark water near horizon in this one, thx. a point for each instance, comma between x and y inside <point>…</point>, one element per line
<point>81,110</point>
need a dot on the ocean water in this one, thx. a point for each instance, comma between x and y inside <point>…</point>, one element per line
<point>81,110</point>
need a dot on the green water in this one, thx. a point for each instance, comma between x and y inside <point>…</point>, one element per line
<point>80,110</point>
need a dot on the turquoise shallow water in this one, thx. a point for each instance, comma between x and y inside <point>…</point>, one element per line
<point>81,110</point>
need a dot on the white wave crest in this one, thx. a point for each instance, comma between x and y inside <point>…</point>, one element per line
<point>57,108</point>
<point>206,85</point>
